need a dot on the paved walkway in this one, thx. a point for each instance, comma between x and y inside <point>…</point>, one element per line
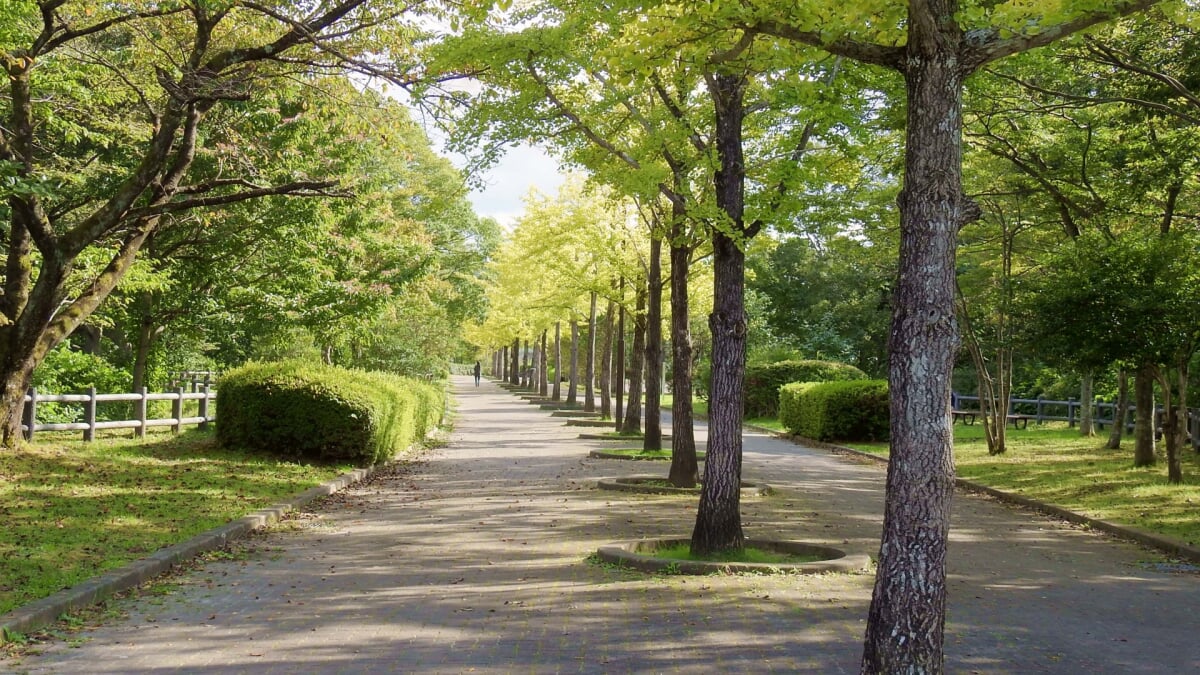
<point>473,560</point>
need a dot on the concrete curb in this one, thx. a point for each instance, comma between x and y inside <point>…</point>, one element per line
<point>1169,545</point>
<point>48,610</point>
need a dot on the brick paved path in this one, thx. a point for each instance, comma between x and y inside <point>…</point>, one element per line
<point>473,560</point>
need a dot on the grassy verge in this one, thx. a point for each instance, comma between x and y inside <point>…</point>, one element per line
<point>699,405</point>
<point>72,510</point>
<point>746,555</point>
<point>1056,465</point>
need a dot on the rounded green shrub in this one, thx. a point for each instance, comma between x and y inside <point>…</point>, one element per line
<point>313,411</point>
<point>763,381</point>
<point>842,411</point>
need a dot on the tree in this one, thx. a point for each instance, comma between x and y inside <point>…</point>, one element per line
<point>940,43</point>
<point>611,130</point>
<point>105,110</point>
<point>1151,323</point>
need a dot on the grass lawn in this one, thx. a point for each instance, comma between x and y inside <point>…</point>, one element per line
<point>699,405</point>
<point>1054,464</point>
<point>72,510</point>
<point>746,555</point>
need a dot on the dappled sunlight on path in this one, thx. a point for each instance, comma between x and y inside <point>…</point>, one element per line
<point>473,559</point>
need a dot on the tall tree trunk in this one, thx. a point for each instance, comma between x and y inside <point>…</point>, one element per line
<point>905,624</point>
<point>684,466</point>
<point>993,391</point>
<point>654,360</point>
<point>1143,427</point>
<point>633,411</point>
<point>1087,425</point>
<point>557,389</point>
<point>543,371</point>
<point>526,376</point>
<point>1174,381</point>
<point>718,518</point>
<point>621,361</point>
<point>514,375</point>
<point>147,334</point>
<point>504,364</point>
<point>91,339</point>
<point>589,378</point>
<point>573,381</point>
<point>606,361</point>
<point>1118,425</point>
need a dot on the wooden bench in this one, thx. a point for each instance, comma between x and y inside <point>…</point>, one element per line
<point>1019,421</point>
<point>965,416</point>
<point>969,417</point>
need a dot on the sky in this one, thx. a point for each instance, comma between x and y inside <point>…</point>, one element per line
<point>506,184</point>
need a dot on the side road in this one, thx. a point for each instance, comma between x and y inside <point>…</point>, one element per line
<point>474,560</point>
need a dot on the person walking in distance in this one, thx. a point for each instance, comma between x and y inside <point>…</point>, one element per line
<point>478,372</point>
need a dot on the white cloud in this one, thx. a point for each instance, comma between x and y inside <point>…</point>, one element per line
<point>509,181</point>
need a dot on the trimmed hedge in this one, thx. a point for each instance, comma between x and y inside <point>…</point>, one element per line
<point>763,381</point>
<point>313,411</point>
<point>843,411</point>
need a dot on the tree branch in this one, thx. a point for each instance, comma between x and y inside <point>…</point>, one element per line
<point>575,120</point>
<point>985,48</point>
<point>54,36</point>
<point>677,112</point>
<point>1099,100</point>
<point>866,52</point>
<point>293,189</point>
<point>1108,55</point>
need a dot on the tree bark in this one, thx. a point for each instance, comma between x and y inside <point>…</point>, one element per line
<point>906,620</point>
<point>504,364</point>
<point>1118,426</point>
<point>1174,416</point>
<point>684,466</point>
<point>718,518</point>
<point>526,377</point>
<point>1087,425</point>
<point>633,411</point>
<point>654,361</point>
<point>621,361</point>
<point>573,381</point>
<point>543,371</point>
<point>557,389</point>
<point>1143,427</point>
<point>606,362</point>
<point>92,336</point>
<point>514,375</point>
<point>147,333</point>
<point>589,378</point>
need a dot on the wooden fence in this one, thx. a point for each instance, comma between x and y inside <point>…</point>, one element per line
<point>1103,413</point>
<point>201,391</point>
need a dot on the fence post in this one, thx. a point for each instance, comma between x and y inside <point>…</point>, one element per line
<point>140,412</point>
<point>204,405</point>
<point>30,413</point>
<point>1070,412</point>
<point>1039,409</point>
<point>177,409</point>
<point>89,415</point>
